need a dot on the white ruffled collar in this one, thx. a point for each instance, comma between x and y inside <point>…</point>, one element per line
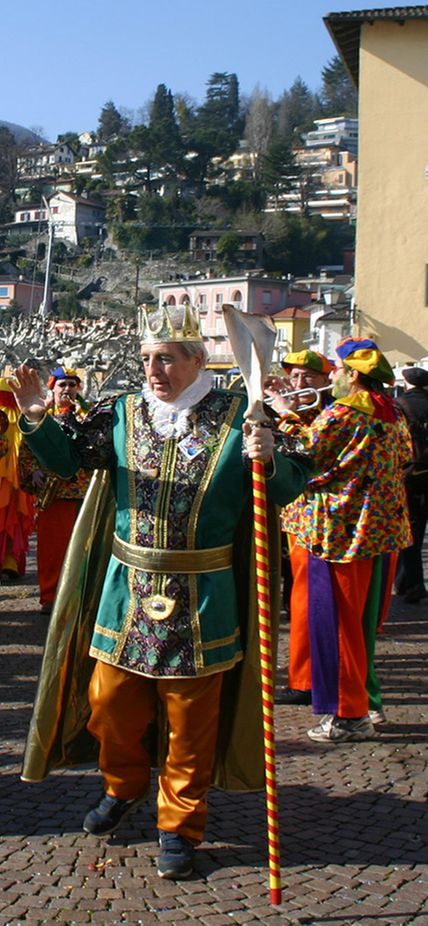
<point>171,419</point>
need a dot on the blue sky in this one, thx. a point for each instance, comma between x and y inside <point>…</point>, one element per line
<point>62,62</point>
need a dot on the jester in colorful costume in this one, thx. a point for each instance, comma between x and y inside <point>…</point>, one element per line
<point>168,632</point>
<point>307,373</point>
<point>349,525</point>
<point>57,500</point>
<point>16,506</point>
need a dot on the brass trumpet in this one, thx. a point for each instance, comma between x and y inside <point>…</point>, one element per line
<point>306,390</point>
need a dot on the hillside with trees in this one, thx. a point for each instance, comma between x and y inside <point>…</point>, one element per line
<point>164,172</point>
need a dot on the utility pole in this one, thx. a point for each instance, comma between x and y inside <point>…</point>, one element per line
<point>137,280</point>
<point>43,304</point>
<point>48,258</point>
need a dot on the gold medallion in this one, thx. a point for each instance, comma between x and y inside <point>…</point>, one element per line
<point>159,607</point>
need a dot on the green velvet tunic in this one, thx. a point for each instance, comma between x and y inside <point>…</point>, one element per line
<point>168,501</point>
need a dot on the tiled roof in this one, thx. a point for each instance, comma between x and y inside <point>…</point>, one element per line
<point>345,28</point>
<point>82,200</point>
<point>292,311</point>
<point>340,313</point>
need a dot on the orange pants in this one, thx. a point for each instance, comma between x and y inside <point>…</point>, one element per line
<point>123,705</point>
<point>356,599</point>
<point>327,644</point>
<point>299,655</point>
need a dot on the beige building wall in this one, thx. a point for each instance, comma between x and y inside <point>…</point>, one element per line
<point>392,228</point>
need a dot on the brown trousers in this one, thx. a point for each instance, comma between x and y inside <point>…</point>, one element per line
<point>123,705</point>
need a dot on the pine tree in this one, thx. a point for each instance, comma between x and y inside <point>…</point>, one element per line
<point>218,121</point>
<point>110,123</point>
<point>8,172</point>
<point>279,169</point>
<point>167,148</point>
<point>338,94</point>
<point>296,112</point>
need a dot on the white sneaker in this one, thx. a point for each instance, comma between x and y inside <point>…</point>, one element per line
<point>342,729</point>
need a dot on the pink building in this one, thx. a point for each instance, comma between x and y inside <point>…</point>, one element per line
<point>23,294</point>
<point>260,295</point>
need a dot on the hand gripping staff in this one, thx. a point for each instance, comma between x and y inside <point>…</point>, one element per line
<point>252,339</point>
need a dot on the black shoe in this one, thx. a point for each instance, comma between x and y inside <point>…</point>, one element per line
<point>415,594</point>
<point>9,577</point>
<point>108,815</point>
<point>46,607</point>
<point>176,856</point>
<point>294,696</point>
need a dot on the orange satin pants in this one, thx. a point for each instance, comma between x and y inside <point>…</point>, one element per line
<point>299,656</point>
<point>123,705</point>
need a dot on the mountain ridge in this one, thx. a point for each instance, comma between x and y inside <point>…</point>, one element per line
<point>21,133</point>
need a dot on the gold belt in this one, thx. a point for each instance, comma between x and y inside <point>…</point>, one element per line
<point>147,559</point>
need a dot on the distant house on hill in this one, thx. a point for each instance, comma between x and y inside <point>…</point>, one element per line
<point>339,131</point>
<point>74,217</point>
<point>203,244</point>
<point>39,160</point>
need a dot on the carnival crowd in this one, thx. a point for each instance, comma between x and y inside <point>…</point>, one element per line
<point>142,505</point>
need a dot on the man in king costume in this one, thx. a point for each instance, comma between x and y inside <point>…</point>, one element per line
<point>168,626</point>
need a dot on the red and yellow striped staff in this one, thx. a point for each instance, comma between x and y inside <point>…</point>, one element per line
<point>265,641</point>
<point>252,339</point>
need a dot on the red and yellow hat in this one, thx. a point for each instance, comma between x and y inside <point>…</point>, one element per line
<point>309,359</point>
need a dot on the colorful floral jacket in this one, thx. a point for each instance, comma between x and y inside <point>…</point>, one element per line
<point>354,504</point>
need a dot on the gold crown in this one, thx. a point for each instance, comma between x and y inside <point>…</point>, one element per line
<point>170,323</point>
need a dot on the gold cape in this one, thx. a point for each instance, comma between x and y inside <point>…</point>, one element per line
<point>58,737</point>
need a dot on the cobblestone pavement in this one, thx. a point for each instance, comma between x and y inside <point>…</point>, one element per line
<point>353,817</point>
